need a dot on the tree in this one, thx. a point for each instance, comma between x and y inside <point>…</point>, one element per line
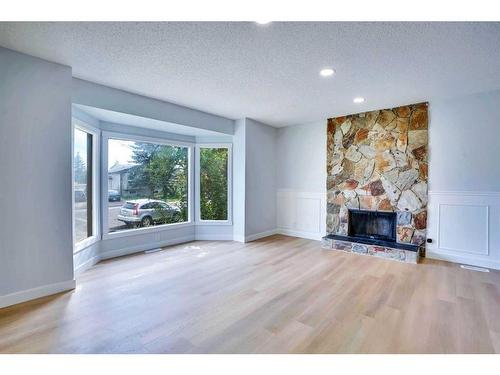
<point>80,168</point>
<point>168,171</point>
<point>213,183</point>
<point>161,173</point>
<point>139,178</point>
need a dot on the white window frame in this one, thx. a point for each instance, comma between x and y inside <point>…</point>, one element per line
<point>229,220</point>
<point>85,127</point>
<point>106,136</point>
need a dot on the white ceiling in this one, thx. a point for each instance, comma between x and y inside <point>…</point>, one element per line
<point>270,73</point>
<point>145,123</point>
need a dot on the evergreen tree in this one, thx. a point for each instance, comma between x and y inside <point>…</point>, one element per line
<point>80,168</point>
<point>139,177</point>
<point>161,173</point>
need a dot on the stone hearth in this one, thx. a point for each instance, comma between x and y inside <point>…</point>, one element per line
<point>377,161</point>
<point>402,255</point>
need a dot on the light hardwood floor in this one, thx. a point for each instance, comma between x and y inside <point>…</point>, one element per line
<point>276,295</point>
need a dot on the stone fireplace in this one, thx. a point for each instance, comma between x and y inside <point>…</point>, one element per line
<point>377,182</point>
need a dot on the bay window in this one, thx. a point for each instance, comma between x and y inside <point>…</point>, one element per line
<point>85,145</point>
<point>147,183</point>
<point>214,183</point>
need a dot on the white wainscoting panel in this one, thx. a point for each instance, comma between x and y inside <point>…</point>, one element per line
<point>301,214</point>
<point>464,227</point>
<point>469,234</point>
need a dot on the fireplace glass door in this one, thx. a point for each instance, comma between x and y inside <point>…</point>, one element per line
<point>372,224</point>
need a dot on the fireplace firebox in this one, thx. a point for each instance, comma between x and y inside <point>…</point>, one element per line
<point>373,225</point>
<point>374,233</point>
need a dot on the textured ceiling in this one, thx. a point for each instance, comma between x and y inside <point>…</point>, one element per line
<point>270,73</point>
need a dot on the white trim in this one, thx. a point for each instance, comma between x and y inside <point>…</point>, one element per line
<point>474,268</point>
<point>487,237</point>
<point>198,219</point>
<point>478,193</point>
<point>87,264</point>
<point>301,234</point>
<point>146,139</point>
<point>214,222</point>
<point>143,247</point>
<point>260,235</point>
<point>139,231</point>
<point>34,293</point>
<point>290,219</point>
<point>303,193</point>
<point>487,254</point>
<point>105,137</point>
<point>239,238</point>
<point>455,258</point>
<point>95,132</point>
<point>213,237</point>
<point>84,244</point>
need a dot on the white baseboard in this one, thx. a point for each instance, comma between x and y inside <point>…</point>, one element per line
<point>473,261</point>
<point>284,231</point>
<point>87,264</point>
<point>257,236</point>
<point>214,237</point>
<point>141,248</point>
<point>301,234</point>
<point>34,293</point>
<point>238,238</point>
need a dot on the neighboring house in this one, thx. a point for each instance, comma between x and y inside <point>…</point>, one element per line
<point>118,177</point>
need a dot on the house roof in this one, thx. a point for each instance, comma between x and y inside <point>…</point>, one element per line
<point>117,167</point>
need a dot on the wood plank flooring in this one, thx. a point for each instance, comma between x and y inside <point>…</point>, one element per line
<point>275,295</point>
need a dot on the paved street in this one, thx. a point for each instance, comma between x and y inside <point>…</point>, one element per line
<point>113,211</point>
<point>81,219</point>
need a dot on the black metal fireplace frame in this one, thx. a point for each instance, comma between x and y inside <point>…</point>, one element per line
<point>392,216</point>
<point>376,242</point>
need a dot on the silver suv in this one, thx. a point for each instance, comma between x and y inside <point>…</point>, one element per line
<point>147,212</point>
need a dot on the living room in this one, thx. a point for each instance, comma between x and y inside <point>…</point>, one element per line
<point>241,187</point>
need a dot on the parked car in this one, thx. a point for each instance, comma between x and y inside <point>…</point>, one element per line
<point>147,212</point>
<point>114,196</point>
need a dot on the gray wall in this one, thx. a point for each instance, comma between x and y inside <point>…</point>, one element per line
<point>301,157</point>
<point>463,147</point>
<point>35,173</point>
<point>464,136</point>
<point>239,159</point>
<point>260,178</point>
<point>36,249</point>
<point>254,179</point>
<point>94,95</point>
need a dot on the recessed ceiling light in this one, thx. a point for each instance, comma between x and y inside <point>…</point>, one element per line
<point>262,22</point>
<point>327,72</point>
<point>359,99</point>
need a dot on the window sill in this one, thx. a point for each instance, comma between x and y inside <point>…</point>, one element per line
<point>141,231</point>
<point>84,244</point>
<point>214,222</point>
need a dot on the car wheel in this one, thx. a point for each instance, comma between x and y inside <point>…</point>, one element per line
<point>146,221</point>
